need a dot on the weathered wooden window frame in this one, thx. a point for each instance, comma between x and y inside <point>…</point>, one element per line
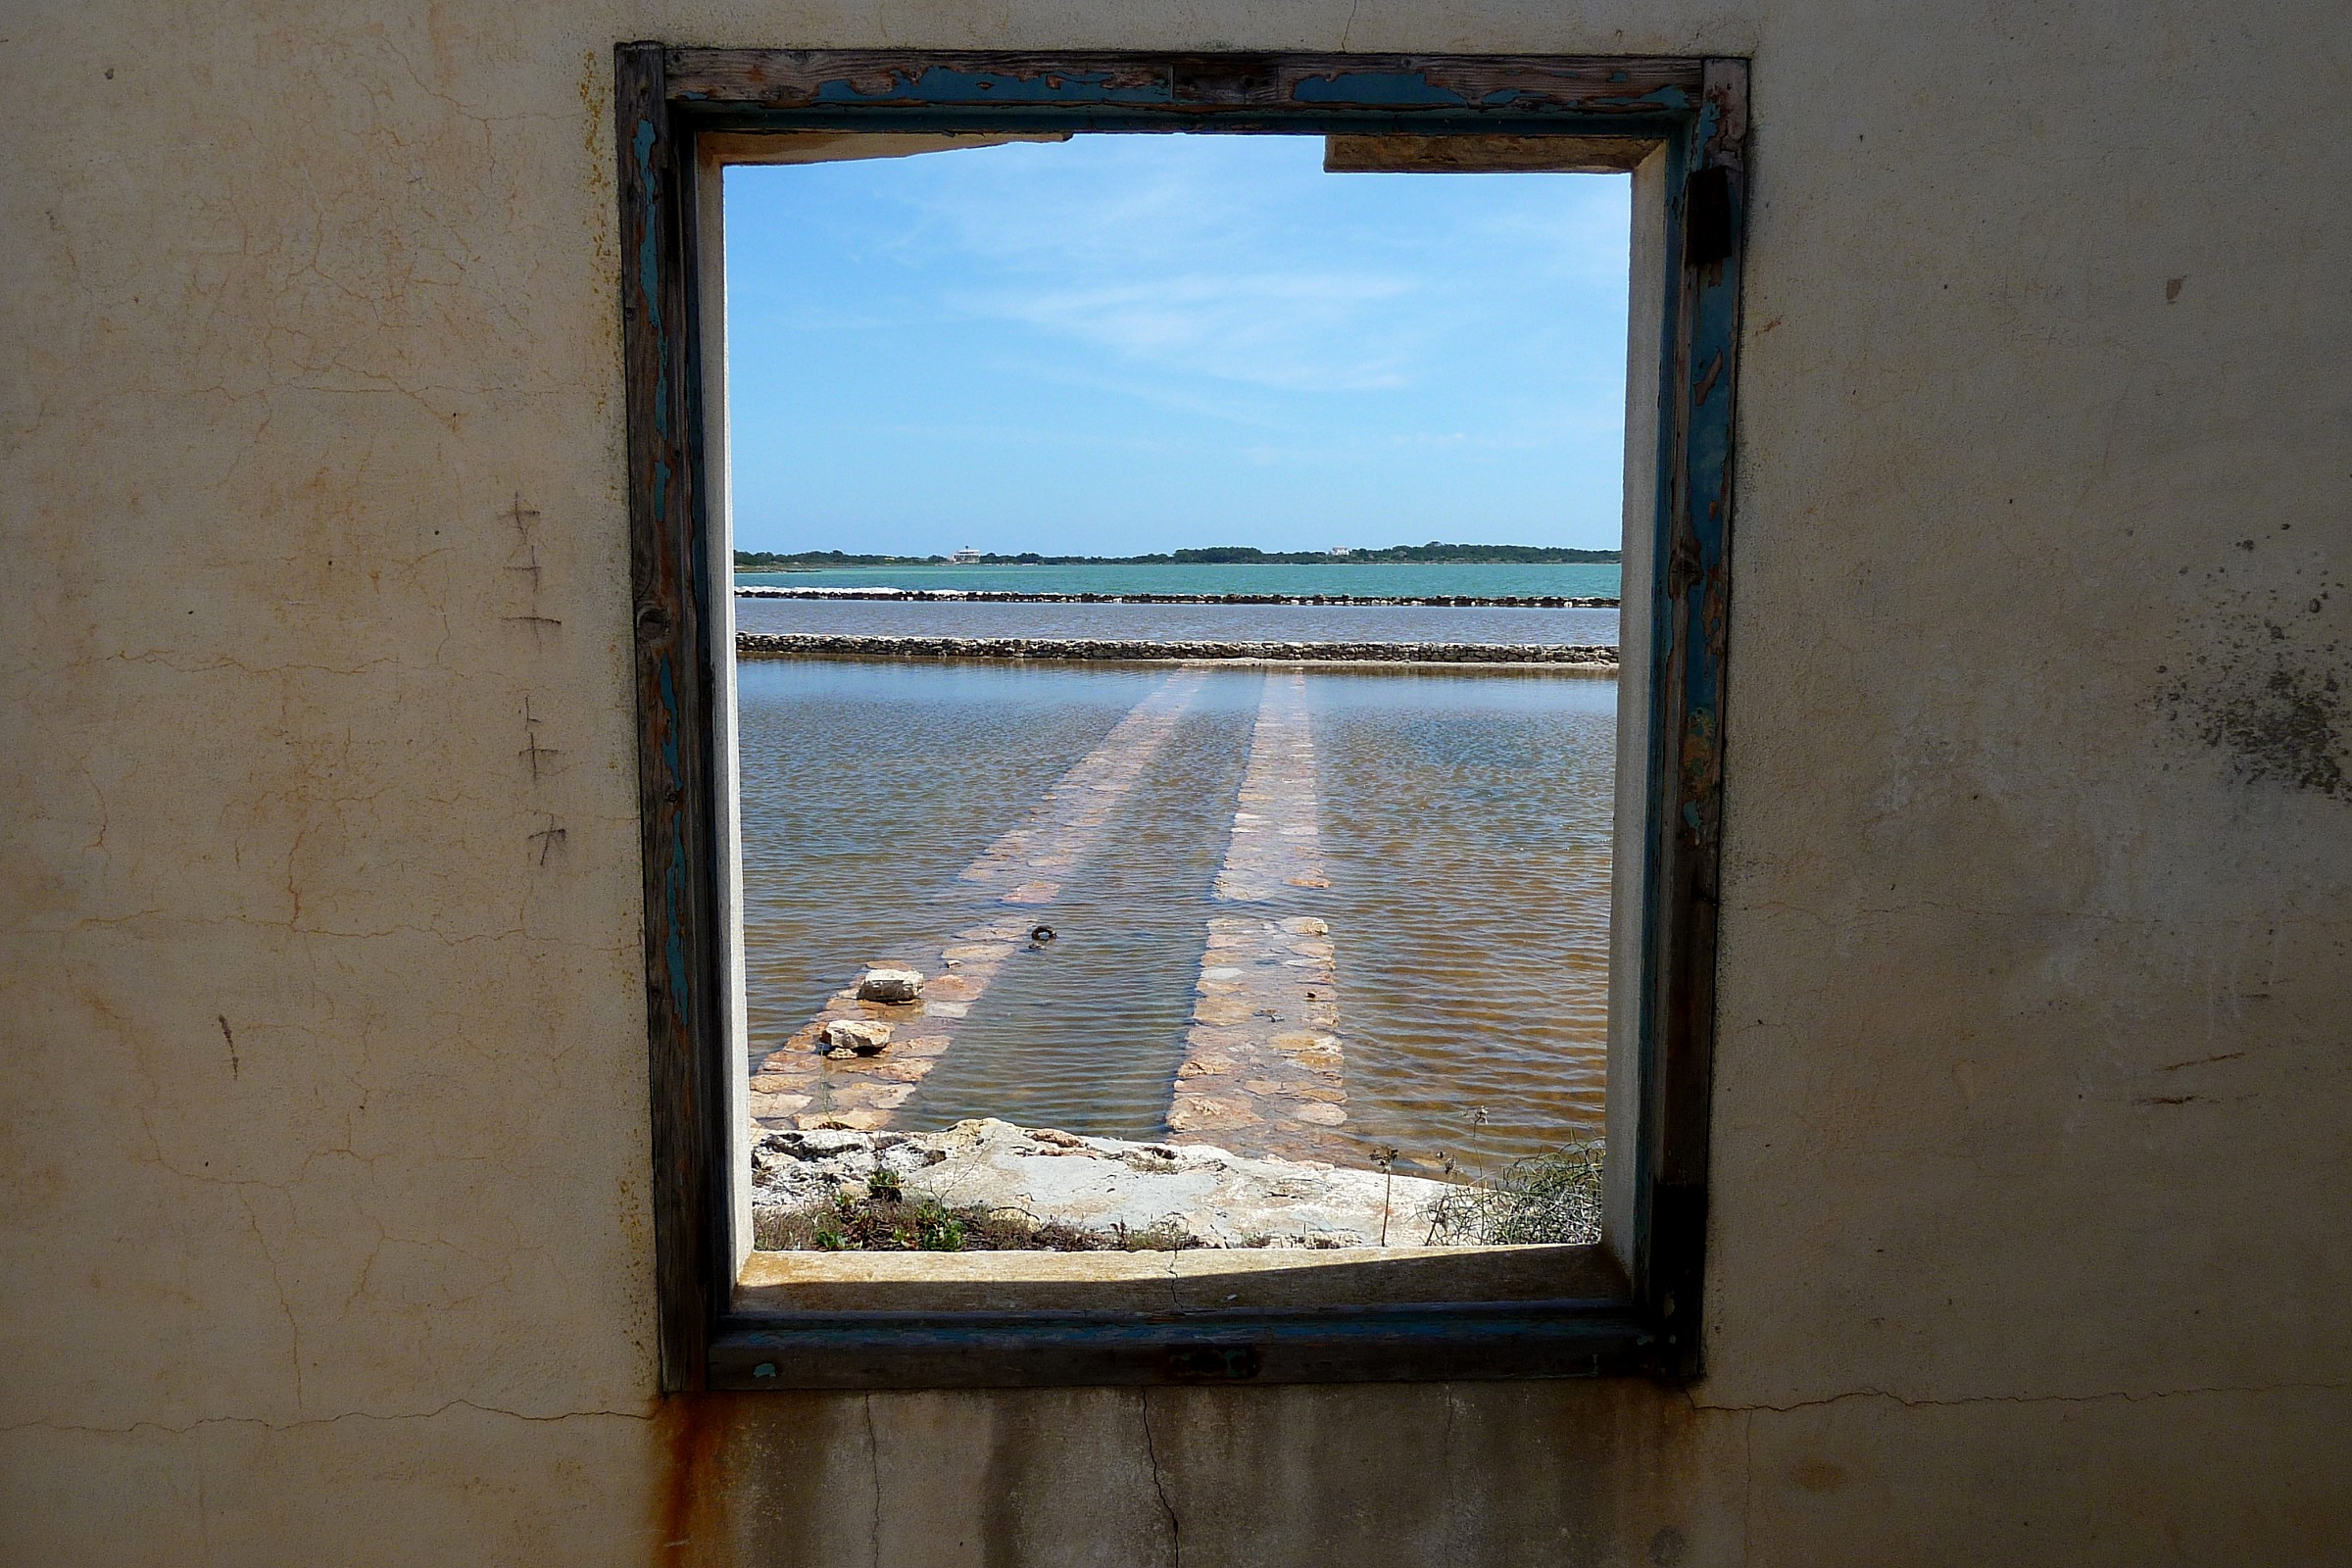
<point>1694,111</point>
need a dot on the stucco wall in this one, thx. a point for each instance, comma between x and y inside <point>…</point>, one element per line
<point>324,1220</point>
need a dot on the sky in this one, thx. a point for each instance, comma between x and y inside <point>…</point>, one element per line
<point>1121,344</point>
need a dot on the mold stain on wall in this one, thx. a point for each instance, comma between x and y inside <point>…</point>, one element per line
<point>2263,684</point>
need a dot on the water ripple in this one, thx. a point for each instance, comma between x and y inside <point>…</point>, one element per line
<point>1465,831</point>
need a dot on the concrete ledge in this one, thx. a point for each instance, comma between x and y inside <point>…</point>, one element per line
<point>1208,1279</point>
<point>1593,657</point>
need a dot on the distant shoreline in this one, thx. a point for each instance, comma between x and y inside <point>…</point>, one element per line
<point>1590,658</point>
<point>1007,596</point>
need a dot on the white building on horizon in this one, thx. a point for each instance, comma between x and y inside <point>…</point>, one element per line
<point>966,557</point>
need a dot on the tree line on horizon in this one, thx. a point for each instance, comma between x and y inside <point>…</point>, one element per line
<point>1211,556</point>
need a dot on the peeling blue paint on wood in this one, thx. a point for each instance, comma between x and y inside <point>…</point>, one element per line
<point>940,85</point>
<point>1377,89</point>
<point>674,787</point>
<point>929,85</point>
<point>1692,610</point>
<point>1562,1339</point>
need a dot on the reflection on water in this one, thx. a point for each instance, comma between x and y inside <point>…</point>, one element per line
<point>1085,1033</point>
<point>1464,824</point>
<point>1466,827</point>
<point>868,788</point>
<point>1328,623</point>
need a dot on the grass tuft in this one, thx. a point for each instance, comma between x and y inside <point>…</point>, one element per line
<point>1553,1197</point>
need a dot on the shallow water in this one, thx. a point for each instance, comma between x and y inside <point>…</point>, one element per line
<point>868,788</point>
<point>1464,830</point>
<point>1379,623</point>
<point>1087,1033</point>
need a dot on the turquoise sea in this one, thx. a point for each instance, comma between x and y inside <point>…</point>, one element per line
<point>1386,579</point>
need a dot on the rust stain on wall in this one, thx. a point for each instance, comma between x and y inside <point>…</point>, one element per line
<point>692,1524</point>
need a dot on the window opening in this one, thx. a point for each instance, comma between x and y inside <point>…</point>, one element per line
<point>737,1317</point>
<point>1226,952</point>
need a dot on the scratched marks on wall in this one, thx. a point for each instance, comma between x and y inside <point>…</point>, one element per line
<point>525,566</point>
<point>536,753</point>
<point>541,763</point>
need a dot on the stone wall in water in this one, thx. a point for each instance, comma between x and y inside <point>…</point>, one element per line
<point>1593,655</point>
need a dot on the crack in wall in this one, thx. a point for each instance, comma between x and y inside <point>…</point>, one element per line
<point>1747,1486</point>
<point>873,1466</point>
<point>43,1424</point>
<point>1159,1483</point>
<point>2106,1397</point>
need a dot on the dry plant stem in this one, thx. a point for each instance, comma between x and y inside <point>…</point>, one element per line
<point>1549,1198</point>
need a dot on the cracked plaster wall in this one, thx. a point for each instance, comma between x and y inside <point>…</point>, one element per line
<point>323,1144</point>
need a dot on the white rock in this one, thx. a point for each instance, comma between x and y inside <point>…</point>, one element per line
<point>861,1036</point>
<point>1215,1197</point>
<point>890,985</point>
<point>794,1169</point>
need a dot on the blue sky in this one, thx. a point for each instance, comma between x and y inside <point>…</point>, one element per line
<point>1121,344</point>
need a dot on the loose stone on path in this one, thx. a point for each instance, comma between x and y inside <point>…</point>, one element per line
<point>890,985</point>
<point>1261,1073</point>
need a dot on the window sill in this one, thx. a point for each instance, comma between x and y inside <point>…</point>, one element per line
<point>814,1320</point>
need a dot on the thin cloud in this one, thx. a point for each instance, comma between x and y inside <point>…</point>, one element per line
<point>1211,320</point>
<point>1304,333</point>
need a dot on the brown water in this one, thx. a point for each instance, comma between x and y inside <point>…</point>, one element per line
<point>1464,829</point>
